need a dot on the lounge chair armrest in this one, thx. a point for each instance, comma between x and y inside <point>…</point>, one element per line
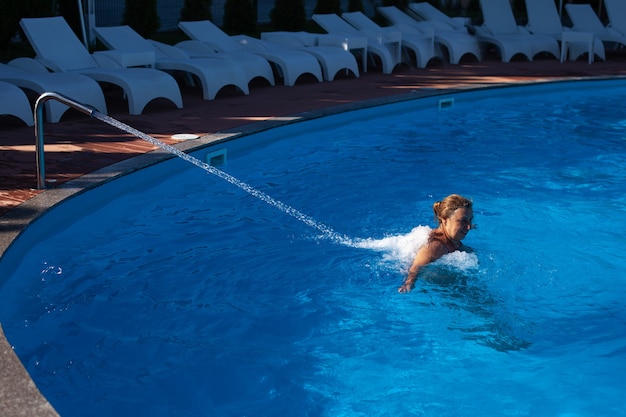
<point>403,28</point>
<point>170,51</point>
<point>346,42</point>
<point>461,22</point>
<point>427,26</point>
<point>386,36</point>
<point>573,36</point>
<point>197,49</point>
<point>282,38</point>
<point>250,43</point>
<point>307,38</point>
<point>441,25</point>
<point>412,28</point>
<point>424,31</point>
<point>482,31</point>
<point>614,32</point>
<point>51,65</point>
<point>29,64</point>
<point>392,35</point>
<point>333,40</point>
<point>105,61</point>
<point>123,59</point>
<point>390,29</point>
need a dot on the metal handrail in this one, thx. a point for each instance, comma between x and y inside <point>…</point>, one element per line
<point>41,180</point>
<point>39,135</point>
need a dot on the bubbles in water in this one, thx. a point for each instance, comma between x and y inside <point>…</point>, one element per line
<point>459,260</point>
<point>50,270</point>
<point>399,247</point>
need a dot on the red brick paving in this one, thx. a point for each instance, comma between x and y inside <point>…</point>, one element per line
<point>79,145</point>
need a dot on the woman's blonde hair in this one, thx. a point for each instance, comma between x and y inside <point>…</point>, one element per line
<point>445,208</point>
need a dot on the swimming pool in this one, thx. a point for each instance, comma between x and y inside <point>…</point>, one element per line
<point>172,292</point>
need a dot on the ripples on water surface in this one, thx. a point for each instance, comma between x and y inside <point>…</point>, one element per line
<point>189,297</point>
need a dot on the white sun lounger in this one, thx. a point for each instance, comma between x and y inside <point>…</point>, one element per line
<point>254,66</point>
<point>387,48</point>
<point>332,59</point>
<point>29,74</point>
<point>213,73</point>
<point>58,48</point>
<point>440,20</point>
<point>423,46</point>
<point>13,102</point>
<point>544,19</point>
<point>501,29</point>
<point>290,64</point>
<point>616,12</point>
<point>584,19</point>
<point>457,44</point>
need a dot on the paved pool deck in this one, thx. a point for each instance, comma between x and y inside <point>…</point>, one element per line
<point>82,152</point>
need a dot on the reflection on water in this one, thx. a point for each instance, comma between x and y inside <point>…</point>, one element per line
<point>456,289</point>
<point>454,282</point>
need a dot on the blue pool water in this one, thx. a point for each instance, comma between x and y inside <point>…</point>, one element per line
<point>173,293</point>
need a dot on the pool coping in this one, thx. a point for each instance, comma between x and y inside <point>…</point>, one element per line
<point>17,219</point>
<point>19,395</point>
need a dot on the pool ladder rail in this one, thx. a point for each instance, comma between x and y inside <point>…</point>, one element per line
<point>39,134</point>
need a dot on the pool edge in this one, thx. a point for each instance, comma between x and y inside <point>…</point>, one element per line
<point>24,398</point>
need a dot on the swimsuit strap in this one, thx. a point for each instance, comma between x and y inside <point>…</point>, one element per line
<point>435,237</point>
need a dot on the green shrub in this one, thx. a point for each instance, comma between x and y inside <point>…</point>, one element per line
<point>196,10</point>
<point>400,4</point>
<point>36,8</point>
<point>69,10</point>
<point>288,15</point>
<point>9,21</point>
<point>328,6</point>
<point>14,10</point>
<point>239,17</point>
<point>143,16</point>
<point>356,6</point>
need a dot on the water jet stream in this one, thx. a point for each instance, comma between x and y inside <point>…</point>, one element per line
<point>327,232</point>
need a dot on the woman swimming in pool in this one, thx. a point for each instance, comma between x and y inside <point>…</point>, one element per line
<point>454,216</point>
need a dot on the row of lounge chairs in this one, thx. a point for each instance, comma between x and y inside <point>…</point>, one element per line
<point>143,68</point>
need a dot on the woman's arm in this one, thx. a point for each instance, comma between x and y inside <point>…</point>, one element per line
<point>428,253</point>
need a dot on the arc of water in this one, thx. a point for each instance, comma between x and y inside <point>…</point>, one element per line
<point>327,232</point>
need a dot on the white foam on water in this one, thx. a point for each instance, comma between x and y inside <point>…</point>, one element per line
<point>402,248</point>
<point>463,261</point>
<point>399,247</point>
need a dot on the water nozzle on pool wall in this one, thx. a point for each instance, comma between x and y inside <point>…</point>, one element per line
<point>446,103</point>
<point>217,158</point>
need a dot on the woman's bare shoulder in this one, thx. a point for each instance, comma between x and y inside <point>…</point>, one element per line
<point>435,249</point>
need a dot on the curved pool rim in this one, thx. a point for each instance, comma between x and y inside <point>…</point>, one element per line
<point>24,392</point>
